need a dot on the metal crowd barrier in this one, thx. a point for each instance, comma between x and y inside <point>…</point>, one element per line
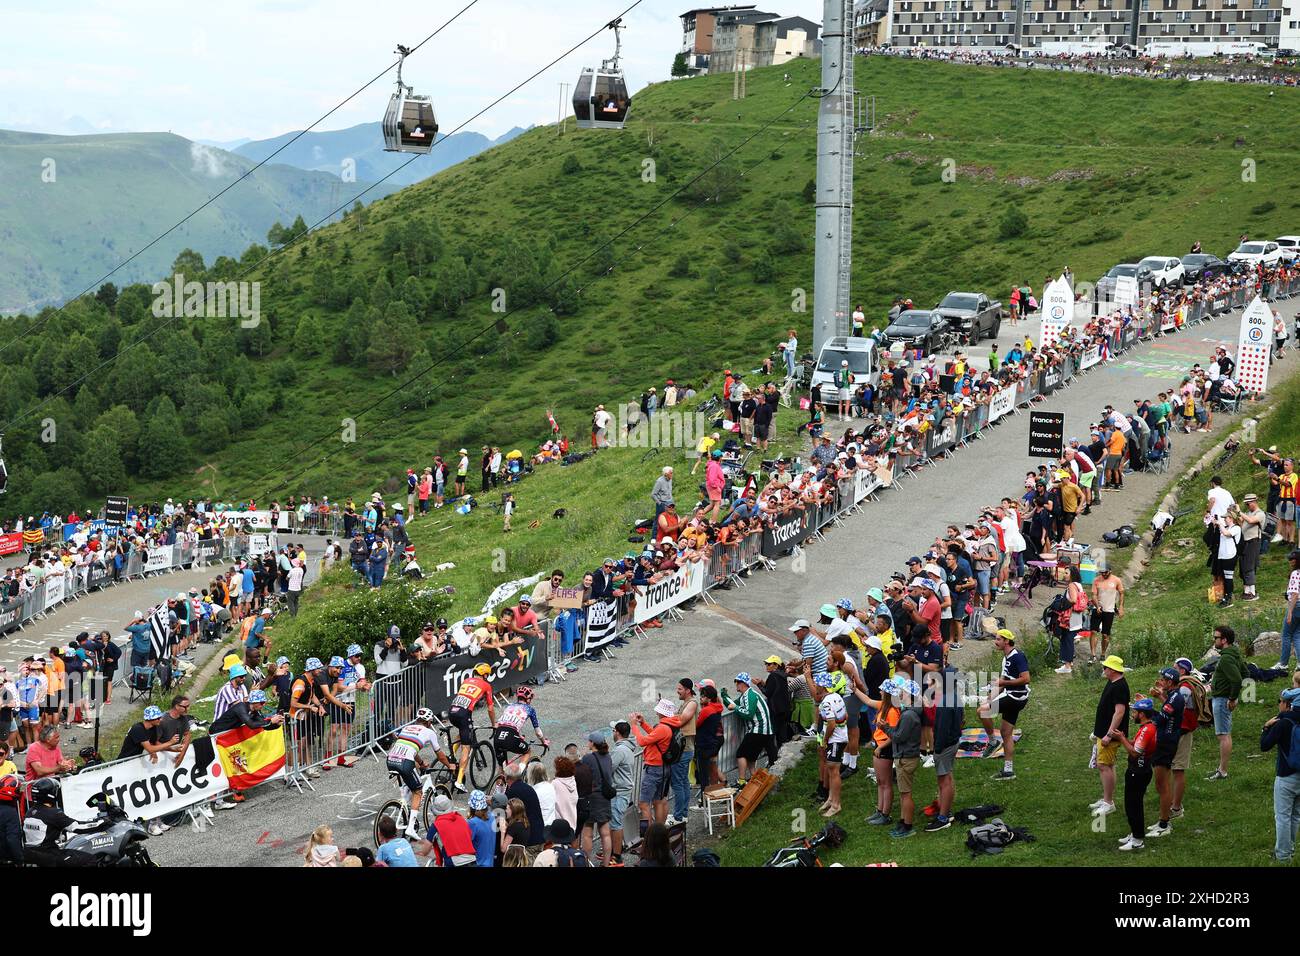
<point>74,583</point>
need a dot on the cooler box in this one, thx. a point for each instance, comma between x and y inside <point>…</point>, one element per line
<point>1087,572</point>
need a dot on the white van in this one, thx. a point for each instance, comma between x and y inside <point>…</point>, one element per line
<point>859,352</point>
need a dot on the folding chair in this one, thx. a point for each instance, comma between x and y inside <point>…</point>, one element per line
<point>141,683</point>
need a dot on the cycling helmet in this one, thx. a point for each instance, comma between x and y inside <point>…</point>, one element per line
<point>478,800</point>
<point>482,670</point>
<point>525,695</point>
<point>440,623</point>
<point>1169,674</point>
<point>424,714</point>
<point>257,697</point>
<point>45,791</point>
<point>1145,704</point>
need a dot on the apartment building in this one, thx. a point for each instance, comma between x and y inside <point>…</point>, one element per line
<point>1053,26</point>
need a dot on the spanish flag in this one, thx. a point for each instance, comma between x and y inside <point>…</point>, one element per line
<point>250,757</point>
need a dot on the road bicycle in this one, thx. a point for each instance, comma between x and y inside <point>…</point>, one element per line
<point>499,783</point>
<point>481,768</point>
<point>434,781</point>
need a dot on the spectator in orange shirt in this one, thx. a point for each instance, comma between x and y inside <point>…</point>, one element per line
<point>1115,443</point>
<point>654,742</point>
<point>55,673</point>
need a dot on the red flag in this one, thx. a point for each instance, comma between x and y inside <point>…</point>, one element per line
<point>555,429</point>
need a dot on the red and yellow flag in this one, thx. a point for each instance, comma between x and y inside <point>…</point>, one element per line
<point>249,756</point>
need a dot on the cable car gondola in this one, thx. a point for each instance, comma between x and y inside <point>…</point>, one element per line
<point>600,99</point>
<point>409,123</point>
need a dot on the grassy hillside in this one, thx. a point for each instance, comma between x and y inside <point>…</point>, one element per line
<point>1103,169</point>
<point>1167,616</point>
<point>111,194</point>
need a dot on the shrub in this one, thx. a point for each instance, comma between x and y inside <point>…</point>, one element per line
<point>1012,224</point>
<point>324,629</point>
<point>571,166</point>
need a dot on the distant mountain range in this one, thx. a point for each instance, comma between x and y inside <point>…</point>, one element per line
<point>328,152</point>
<point>66,224</point>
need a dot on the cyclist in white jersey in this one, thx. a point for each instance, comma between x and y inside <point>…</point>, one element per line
<point>404,756</point>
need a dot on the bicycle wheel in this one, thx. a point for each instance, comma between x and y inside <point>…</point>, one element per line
<point>482,765</point>
<point>393,810</point>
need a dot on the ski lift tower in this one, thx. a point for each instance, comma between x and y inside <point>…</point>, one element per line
<point>835,145</point>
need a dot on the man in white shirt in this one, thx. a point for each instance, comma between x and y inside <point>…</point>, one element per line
<point>296,575</point>
<point>1218,499</point>
<point>791,350</point>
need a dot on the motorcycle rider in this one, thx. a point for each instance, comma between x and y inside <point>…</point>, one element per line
<point>45,825</point>
<point>11,827</point>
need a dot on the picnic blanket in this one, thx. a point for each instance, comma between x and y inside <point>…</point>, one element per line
<point>973,740</point>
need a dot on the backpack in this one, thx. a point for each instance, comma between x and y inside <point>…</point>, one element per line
<point>1081,601</point>
<point>1292,754</point>
<point>1200,700</point>
<point>994,837</point>
<point>976,814</point>
<point>567,856</point>
<point>676,747</point>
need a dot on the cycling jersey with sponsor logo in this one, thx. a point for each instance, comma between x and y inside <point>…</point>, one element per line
<point>517,715</point>
<point>471,693</point>
<point>411,739</point>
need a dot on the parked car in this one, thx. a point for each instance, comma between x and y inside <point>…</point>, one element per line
<point>1257,252</point>
<point>1202,265</point>
<point>859,352</point>
<point>971,314</point>
<point>916,329</point>
<point>1165,271</point>
<point>1105,288</point>
<point>1289,247</point>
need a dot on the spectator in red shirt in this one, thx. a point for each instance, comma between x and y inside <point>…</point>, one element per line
<point>44,759</point>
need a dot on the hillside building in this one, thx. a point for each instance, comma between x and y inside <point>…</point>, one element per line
<point>725,39</point>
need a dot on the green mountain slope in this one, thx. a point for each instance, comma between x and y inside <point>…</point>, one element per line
<point>110,194</point>
<point>327,151</point>
<point>1103,170</point>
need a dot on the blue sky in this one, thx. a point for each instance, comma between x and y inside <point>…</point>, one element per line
<point>256,68</point>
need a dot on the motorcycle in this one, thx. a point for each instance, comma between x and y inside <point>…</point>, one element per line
<point>112,837</point>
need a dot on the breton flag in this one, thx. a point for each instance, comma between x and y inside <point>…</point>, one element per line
<point>250,756</point>
<point>158,631</point>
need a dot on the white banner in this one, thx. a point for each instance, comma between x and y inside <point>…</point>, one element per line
<point>1090,357</point>
<point>865,481</point>
<point>1253,346</point>
<point>145,789</point>
<point>1057,310</point>
<point>56,588</point>
<point>1003,401</point>
<point>682,585</point>
<point>256,544</point>
<point>159,558</point>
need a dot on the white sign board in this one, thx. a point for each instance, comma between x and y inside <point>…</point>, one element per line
<point>56,589</point>
<point>682,585</point>
<point>159,559</point>
<point>1002,403</point>
<point>1126,292</point>
<point>1057,311</point>
<point>1090,357</point>
<point>145,789</point>
<point>1253,346</point>
<point>865,482</point>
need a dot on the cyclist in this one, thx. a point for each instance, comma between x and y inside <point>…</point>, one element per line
<point>508,737</point>
<point>473,690</point>
<point>404,757</point>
